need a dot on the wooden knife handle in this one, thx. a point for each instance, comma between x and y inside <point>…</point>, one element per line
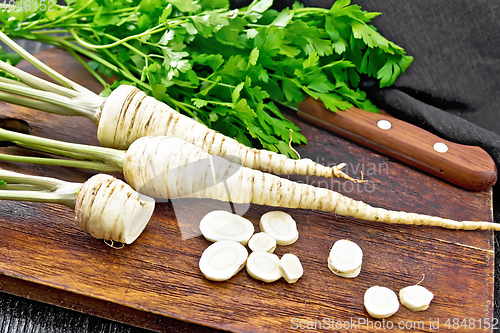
<point>469,167</point>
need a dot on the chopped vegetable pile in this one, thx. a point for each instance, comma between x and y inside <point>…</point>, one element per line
<point>224,67</point>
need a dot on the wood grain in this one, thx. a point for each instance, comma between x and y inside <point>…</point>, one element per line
<point>155,282</point>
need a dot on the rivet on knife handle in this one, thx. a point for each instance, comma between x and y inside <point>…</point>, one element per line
<point>469,167</point>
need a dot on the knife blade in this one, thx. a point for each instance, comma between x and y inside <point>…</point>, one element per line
<point>469,167</point>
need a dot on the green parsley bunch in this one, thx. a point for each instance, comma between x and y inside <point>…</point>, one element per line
<point>224,67</point>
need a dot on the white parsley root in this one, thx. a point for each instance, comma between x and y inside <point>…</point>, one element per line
<point>345,258</point>
<point>415,298</point>
<point>222,225</point>
<point>291,268</point>
<point>109,209</point>
<point>105,207</point>
<point>264,266</point>
<point>129,114</point>
<point>281,226</point>
<point>381,302</point>
<point>262,242</point>
<point>222,260</point>
<point>182,170</point>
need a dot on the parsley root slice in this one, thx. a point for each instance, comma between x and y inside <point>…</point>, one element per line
<point>345,258</point>
<point>222,260</point>
<point>128,114</point>
<point>262,242</point>
<point>221,225</point>
<point>281,226</point>
<point>105,207</point>
<point>291,268</point>
<point>170,168</point>
<point>381,302</point>
<point>264,266</point>
<point>415,298</point>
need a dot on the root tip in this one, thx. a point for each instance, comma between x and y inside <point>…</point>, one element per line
<point>340,174</point>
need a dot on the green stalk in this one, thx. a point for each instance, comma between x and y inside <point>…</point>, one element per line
<point>90,165</point>
<point>151,31</point>
<point>20,187</point>
<point>107,158</point>
<point>87,67</point>
<point>62,42</point>
<point>44,183</point>
<point>36,196</point>
<point>48,97</point>
<point>65,82</point>
<point>36,82</point>
<point>35,104</point>
<point>12,81</point>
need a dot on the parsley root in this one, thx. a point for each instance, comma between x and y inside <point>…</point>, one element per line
<point>264,266</point>
<point>165,167</point>
<point>109,209</point>
<point>222,260</point>
<point>105,207</point>
<point>381,302</point>
<point>129,114</point>
<point>415,298</point>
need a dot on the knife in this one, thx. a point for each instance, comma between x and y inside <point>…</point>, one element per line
<point>469,167</point>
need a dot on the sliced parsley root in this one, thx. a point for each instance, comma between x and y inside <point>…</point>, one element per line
<point>105,207</point>
<point>221,225</point>
<point>222,260</point>
<point>264,266</point>
<point>415,298</point>
<point>291,268</point>
<point>170,168</point>
<point>262,242</point>
<point>345,258</point>
<point>381,302</point>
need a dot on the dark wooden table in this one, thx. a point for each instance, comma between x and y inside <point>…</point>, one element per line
<point>156,284</point>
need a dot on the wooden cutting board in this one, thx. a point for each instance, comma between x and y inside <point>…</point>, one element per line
<point>155,283</point>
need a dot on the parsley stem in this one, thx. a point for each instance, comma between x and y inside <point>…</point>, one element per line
<point>92,165</point>
<point>50,31</point>
<point>21,187</point>
<point>87,67</point>
<point>63,42</point>
<point>218,83</point>
<point>299,12</point>
<point>278,76</point>
<point>118,42</point>
<point>43,183</point>
<point>66,17</point>
<point>102,158</point>
<point>253,25</point>
<point>127,45</point>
